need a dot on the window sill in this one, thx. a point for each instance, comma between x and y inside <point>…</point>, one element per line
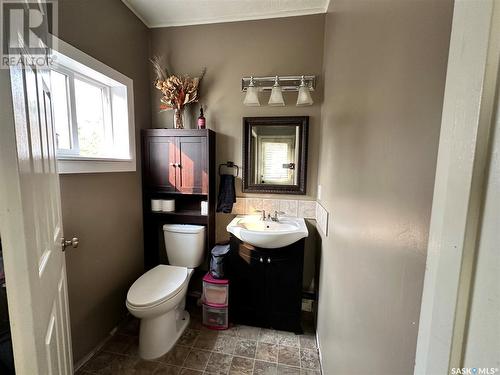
<point>67,165</point>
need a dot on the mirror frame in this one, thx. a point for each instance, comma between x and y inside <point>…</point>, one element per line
<point>303,123</point>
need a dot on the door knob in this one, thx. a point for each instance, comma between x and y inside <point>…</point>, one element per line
<point>73,243</point>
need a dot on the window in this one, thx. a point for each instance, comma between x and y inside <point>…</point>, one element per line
<point>277,154</point>
<point>93,114</point>
<point>94,126</point>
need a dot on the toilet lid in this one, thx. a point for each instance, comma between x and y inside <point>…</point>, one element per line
<point>156,285</point>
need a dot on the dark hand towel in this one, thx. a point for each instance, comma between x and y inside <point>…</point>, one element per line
<point>227,194</point>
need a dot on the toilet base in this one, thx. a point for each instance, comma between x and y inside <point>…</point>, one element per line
<point>159,334</point>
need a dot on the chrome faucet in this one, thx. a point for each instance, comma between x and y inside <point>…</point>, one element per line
<point>263,217</point>
<point>276,215</point>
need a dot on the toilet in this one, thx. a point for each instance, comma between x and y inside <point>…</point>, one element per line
<point>158,297</point>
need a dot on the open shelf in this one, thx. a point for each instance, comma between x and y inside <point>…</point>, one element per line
<point>159,194</point>
<point>181,216</point>
<point>179,213</point>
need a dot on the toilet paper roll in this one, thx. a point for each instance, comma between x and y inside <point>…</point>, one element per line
<point>168,205</point>
<point>204,207</point>
<point>155,205</point>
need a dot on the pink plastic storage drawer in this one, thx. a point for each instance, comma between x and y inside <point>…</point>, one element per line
<point>215,317</point>
<point>215,292</point>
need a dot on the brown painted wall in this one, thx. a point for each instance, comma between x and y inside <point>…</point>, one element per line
<point>384,66</point>
<point>284,46</point>
<point>104,210</point>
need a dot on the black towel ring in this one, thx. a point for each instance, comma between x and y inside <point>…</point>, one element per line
<point>229,164</point>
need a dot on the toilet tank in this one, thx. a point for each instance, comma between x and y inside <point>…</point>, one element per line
<point>185,244</point>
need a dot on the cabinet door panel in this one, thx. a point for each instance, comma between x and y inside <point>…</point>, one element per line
<point>284,279</point>
<point>160,158</point>
<point>192,173</point>
<point>248,299</point>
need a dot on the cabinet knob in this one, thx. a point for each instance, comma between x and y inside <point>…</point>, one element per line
<point>261,260</point>
<point>268,260</point>
<point>173,165</point>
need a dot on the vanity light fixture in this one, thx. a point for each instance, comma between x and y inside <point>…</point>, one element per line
<point>252,95</point>
<point>276,98</point>
<point>303,84</point>
<point>304,97</point>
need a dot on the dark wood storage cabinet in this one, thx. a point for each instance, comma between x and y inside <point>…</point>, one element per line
<point>266,285</point>
<point>177,164</point>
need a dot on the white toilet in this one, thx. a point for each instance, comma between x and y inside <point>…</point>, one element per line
<point>158,297</point>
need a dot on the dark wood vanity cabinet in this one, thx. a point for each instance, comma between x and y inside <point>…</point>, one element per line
<point>266,285</point>
<point>177,164</point>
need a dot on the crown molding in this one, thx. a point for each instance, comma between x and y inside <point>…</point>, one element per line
<point>227,19</point>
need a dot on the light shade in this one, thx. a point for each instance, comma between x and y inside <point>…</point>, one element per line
<point>252,95</point>
<point>276,98</point>
<point>304,97</point>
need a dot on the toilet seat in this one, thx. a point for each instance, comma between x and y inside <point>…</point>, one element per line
<point>157,286</point>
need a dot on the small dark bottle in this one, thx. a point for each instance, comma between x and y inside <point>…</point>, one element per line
<point>201,120</point>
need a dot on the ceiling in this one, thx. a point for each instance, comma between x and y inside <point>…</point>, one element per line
<point>164,13</point>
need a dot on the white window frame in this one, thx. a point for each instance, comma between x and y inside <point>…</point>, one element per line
<point>71,115</point>
<point>73,120</point>
<point>118,89</point>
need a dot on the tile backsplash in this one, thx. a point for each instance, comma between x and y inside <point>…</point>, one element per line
<point>291,207</point>
<point>307,209</point>
<point>322,218</point>
<point>271,205</point>
<point>239,208</point>
<point>253,204</point>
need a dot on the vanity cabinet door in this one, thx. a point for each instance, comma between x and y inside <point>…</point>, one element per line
<point>160,158</point>
<point>192,164</point>
<point>248,293</point>
<point>284,281</point>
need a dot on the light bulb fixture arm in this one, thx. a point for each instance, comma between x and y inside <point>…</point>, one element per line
<point>287,83</point>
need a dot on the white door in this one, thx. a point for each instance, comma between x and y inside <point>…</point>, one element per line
<point>30,226</point>
<point>482,344</point>
<point>462,259</point>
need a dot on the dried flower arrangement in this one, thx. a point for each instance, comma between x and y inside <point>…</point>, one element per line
<point>177,91</point>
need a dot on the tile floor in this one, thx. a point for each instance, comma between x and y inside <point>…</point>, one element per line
<point>241,350</point>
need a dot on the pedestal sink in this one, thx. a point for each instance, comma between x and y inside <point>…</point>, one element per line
<point>268,234</point>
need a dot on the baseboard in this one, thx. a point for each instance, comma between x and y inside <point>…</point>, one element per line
<point>319,353</point>
<point>99,346</point>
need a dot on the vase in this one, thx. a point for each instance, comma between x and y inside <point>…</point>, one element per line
<point>179,118</point>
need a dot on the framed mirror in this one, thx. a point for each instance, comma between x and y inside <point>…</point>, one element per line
<point>275,154</point>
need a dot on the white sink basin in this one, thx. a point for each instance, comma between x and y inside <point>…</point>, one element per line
<point>268,234</point>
